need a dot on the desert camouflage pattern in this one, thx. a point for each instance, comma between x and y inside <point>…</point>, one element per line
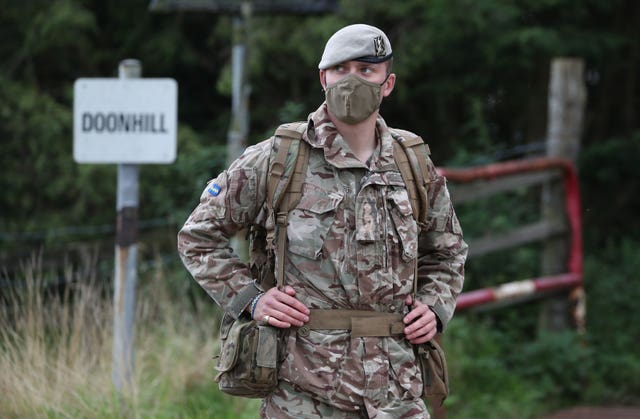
<point>352,244</point>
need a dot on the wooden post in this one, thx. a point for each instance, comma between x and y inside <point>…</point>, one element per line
<point>567,99</point>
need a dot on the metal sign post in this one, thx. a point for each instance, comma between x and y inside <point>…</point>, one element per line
<point>242,11</point>
<point>126,121</point>
<point>239,127</point>
<point>126,252</point>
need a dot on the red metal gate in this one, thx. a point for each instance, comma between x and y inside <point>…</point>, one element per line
<point>529,172</point>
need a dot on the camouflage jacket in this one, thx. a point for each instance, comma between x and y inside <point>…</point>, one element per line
<point>352,242</point>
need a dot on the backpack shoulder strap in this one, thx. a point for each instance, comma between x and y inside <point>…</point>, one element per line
<point>283,166</point>
<point>410,153</point>
<point>284,185</point>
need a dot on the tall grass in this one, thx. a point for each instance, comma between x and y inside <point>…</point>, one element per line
<point>56,352</point>
<point>52,351</point>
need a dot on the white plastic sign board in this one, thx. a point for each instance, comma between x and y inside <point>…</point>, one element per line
<point>125,121</point>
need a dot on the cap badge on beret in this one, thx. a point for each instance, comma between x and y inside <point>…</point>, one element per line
<point>380,49</point>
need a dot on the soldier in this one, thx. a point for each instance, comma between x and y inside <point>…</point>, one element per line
<point>352,245</point>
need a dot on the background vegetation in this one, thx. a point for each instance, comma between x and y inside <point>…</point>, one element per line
<point>472,79</point>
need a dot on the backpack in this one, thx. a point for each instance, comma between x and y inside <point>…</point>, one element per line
<point>285,178</point>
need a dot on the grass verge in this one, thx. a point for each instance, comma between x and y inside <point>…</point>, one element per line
<point>56,354</point>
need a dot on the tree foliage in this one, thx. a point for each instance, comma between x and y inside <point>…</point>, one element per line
<point>472,79</point>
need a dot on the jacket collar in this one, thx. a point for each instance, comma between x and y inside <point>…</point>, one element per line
<point>322,133</point>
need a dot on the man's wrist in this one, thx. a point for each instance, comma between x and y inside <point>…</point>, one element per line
<point>254,303</point>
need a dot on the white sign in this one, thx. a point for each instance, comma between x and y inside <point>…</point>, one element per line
<point>131,121</point>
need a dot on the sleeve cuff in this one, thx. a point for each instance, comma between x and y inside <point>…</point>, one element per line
<point>239,303</point>
<point>439,312</point>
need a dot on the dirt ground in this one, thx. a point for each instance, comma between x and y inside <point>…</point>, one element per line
<point>597,413</point>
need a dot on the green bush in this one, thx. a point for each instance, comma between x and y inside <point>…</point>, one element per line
<point>502,367</point>
<point>483,383</point>
<point>612,299</point>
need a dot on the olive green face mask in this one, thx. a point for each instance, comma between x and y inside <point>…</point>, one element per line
<point>352,99</point>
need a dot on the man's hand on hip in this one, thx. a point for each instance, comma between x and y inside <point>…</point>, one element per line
<point>281,308</point>
<point>422,324</point>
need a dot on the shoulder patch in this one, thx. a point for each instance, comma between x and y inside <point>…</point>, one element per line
<point>214,189</point>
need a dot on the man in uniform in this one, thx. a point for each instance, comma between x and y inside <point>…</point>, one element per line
<point>352,244</point>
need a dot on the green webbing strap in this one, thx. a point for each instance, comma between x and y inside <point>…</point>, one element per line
<point>291,191</point>
<point>359,322</point>
<point>410,152</point>
<point>416,176</point>
<point>294,192</point>
<point>276,170</point>
<point>402,161</point>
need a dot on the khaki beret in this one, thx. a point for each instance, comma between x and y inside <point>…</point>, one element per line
<point>356,42</point>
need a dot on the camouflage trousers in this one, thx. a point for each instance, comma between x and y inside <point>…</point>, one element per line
<point>286,402</point>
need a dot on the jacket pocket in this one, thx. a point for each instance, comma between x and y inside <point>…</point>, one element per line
<point>404,224</point>
<point>404,367</point>
<point>242,196</point>
<point>310,222</point>
<point>247,364</point>
<point>316,361</point>
<point>441,215</point>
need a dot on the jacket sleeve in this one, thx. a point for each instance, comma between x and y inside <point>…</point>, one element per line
<point>232,201</point>
<point>442,252</point>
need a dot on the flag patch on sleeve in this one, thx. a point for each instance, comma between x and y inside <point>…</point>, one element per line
<point>214,189</point>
